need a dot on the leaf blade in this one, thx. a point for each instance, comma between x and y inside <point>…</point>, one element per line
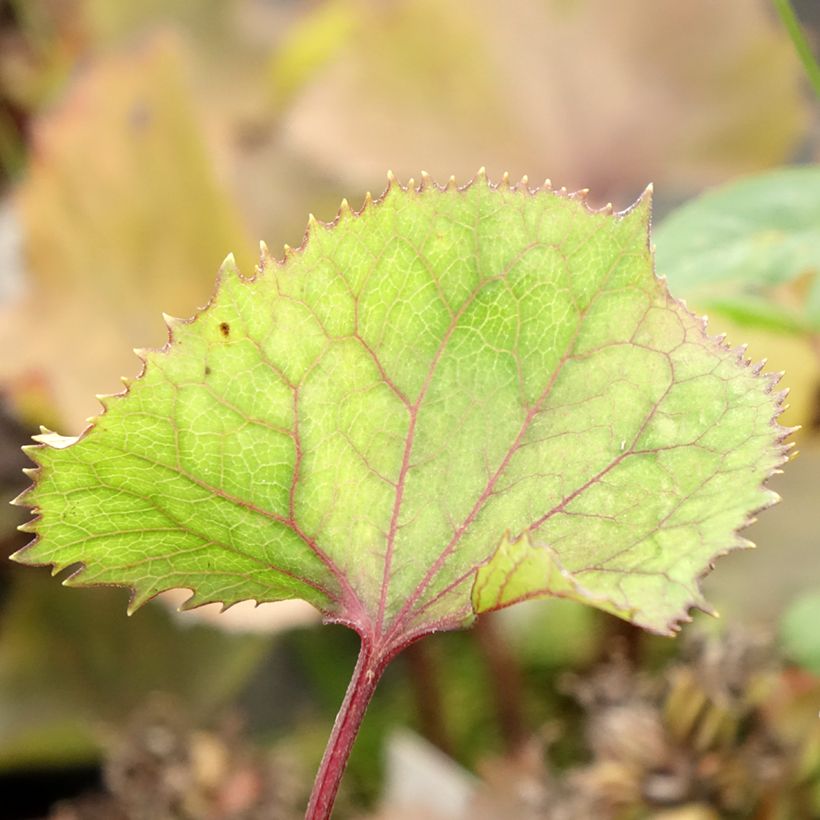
<point>360,425</point>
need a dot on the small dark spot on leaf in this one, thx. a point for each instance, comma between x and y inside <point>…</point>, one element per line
<point>225,329</point>
<point>207,370</point>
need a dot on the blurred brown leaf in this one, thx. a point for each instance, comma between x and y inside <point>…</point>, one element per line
<point>122,218</point>
<point>592,93</point>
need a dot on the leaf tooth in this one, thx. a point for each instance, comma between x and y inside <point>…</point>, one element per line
<point>505,180</point>
<point>451,183</point>
<point>32,451</point>
<point>55,440</point>
<point>704,606</point>
<point>426,181</point>
<point>344,208</point>
<point>481,175</point>
<point>228,267</point>
<point>368,201</point>
<point>265,258</point>
<point>739,352</point>
<point>287,251</point>
<point>20,501</point>
<point>524,183</point>
<point>172,322</point>
<point>137,599</point>
<point>547,184</point>
<point>742,543</point>
<point>312,228</point>
<point>411,185</point>
<point>780,407</point>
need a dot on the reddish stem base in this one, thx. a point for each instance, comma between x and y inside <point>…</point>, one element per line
<point>369,670</point>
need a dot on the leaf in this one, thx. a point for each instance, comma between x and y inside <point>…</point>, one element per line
<point>362,424</point>
<point>507,578</point>
<point>798,631</point>
<point>520,83</point>
<point>750,250</point>
<point>121,216</point>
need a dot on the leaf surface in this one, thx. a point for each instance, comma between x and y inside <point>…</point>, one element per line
<point>362,425</point>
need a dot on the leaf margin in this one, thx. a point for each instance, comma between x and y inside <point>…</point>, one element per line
<point>48,438</point>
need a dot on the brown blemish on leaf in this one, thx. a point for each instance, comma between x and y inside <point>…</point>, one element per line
<point>225,329</point>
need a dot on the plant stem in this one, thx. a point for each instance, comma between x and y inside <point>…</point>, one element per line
<point>425,680</point>
<point>506,678</point>
<point>357,698</point>
<point>801,44</point>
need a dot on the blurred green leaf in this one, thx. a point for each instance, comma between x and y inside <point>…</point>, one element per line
<point>310,44</point>
<point>750,250</point>
<point>573,630</point>
<point>800,631</point>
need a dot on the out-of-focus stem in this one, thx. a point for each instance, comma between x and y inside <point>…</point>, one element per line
<point>505,675</point>
<point>801,44</point>
<point>427,689</point>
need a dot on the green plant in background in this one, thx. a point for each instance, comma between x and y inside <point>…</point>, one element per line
<point>750,251</point>
<point>446,403</point>
<point>792,25</point>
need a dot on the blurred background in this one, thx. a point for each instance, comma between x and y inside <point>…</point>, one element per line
<point>142,142</point>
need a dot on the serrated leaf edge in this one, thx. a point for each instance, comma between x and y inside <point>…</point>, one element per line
<point>425,183</point>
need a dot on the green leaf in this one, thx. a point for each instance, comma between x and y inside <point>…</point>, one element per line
<point>798,631</point>
<point>361,425</point>
<point>508,578</point>
<point>750,250</point>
